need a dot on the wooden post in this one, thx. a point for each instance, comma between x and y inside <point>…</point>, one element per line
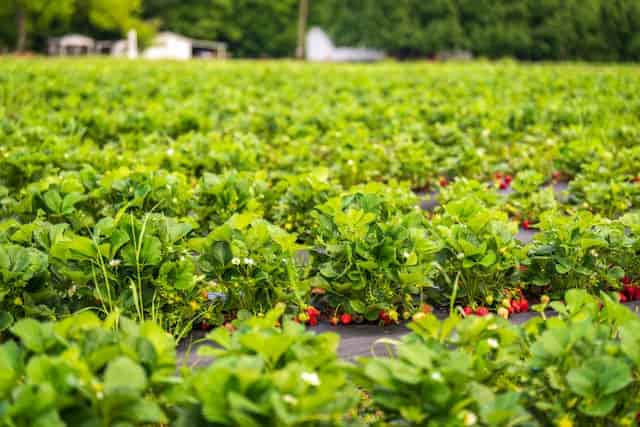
<point>303,15</point>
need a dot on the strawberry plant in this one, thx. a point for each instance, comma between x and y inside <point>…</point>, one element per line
<point>478,254</point>
<point>370,257</point>
<point>250,265</point>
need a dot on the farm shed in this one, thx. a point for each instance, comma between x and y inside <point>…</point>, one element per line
<point>71,45</point>
<point>319,47</point>
<point>169,45</point>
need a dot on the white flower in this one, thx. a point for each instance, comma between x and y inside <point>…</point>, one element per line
<point>405,254</point>
<point>235,261</point>
<point>291,400</point>
<point>493,343</point>
<point>436,376</point>
<point>249,261</point>
<point>114,262</point>
<point>470,419</point>
<point>310,378</point>
<point>170,152</point>
<point>350,162</point>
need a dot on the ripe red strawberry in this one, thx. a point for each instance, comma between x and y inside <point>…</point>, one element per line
<point>629,291</point>
<point>312,311</point>
<point>524,305</point>
<point>482,311</point>
<point>525,224</point>
<point>504,185</point>
<point>508,179</point>
<point>515,305</point>
<point>443,182</point>
<point>313,321</point>
<point>622,297</point>
<point>345,318</point>
<point>468,311</point>
<point>204,326</point>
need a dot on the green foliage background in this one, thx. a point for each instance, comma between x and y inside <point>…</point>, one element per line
<point>597,30</point>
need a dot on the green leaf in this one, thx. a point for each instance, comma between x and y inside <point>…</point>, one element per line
<point>35,336</point>
<point>123,374</point>
<point>221,252</point>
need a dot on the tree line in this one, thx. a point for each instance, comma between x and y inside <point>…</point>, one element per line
<point>598,30</point>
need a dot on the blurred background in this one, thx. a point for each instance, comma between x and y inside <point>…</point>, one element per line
<point>593,30</point>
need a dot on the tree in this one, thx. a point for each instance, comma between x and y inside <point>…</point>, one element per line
<point>33,15</point>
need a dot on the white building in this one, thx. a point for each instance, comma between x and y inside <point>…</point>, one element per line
<point>71,45</point>
<point>319,47</point>
<point>169,45</point>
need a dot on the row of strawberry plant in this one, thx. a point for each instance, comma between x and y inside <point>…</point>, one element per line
<point>580,368</point>
<point>373,257</point>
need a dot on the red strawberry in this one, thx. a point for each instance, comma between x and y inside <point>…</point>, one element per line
<point>516,306</point>
<point>204,326</point>
<point>312,311</point>
<point>313,321</point>
<point>468,311</point>
<point>504,185</point>
<point>626,280</point>
<point>482,311</point>
<point>497,175</point>
<point>524,305</point>
<point>443,182</point>
<point>345,319</point>
<point>622,297</point>
<point>525,224</point>
<point>636,292</point>
<point>334,321</point>
<point>508,179</point>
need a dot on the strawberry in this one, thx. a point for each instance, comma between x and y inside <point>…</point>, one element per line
<point>622,297</point>
<point>515,305</point>
<point>497,175</point>
<point>334,321</point>
<point>385,317</point>
<point>468,311</point>
<point>506,303</point>
<point>556,175</point>
<point>626,280</point>
<point>418,316</point>
<point>503,312</point>
<point>443,182</point>
<point>482,311</point>
<point>426,308</point>
<point>312,311</point>
<point>303,317</point>
<point>630,291</point>
<point>204,326</point>
<point>544,299</point>
<point>508,179</point>
<point>524,305</point>
<point>313,321</point>
<point>526,224</point>
<point>503,185</point>
<point>345,318</point>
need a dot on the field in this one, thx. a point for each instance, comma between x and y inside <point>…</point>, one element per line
<point>141,198</point>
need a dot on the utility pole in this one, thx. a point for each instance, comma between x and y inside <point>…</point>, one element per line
<point>303,15</point>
